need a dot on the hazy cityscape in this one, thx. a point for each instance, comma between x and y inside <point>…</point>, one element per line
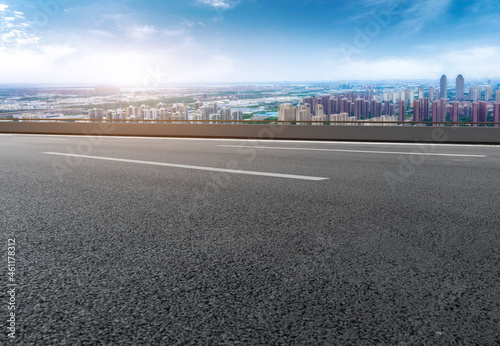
<point>300,104</point>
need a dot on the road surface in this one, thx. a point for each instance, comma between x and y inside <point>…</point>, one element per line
<point>190,241</point>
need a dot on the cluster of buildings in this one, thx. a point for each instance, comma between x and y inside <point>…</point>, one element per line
<point>303,113</point>
<point>422,105</point>
<point>212,111</point>
<point>179,111</point>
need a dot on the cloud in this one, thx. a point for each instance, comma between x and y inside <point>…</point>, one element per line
<point>86,60</point>
<point>477,62</point>
<point>219,4</point>
<point>14,29</point>
<point>142,31</point>
<point>419,14</point>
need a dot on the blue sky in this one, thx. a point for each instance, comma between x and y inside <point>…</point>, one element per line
<point>162,41</point>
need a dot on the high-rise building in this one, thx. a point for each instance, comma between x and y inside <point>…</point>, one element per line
<point>425,109</point>
<point>420,93</point>
<point>226,113</point>
<point>442,109</point>
<point>318,101</point>
<point>454,112</point>
<point>378,109</point>
<point>475,113</point>
<point>417,114</point>
<point>358,108</point>
<point>287,112</point>
<point>459,95</point>
<point>237,115</point>
<point>475,93</point>
<point>304,113</point>
<point>431,94</point>
<point>488,93</point>
<point>372,108</point>
<point>205,112</point>
<point>483,111</point>
<point>443,91</point>
<point>409,95</point>
<point>496,113</point>
<point>309,101</point>
<point>435,112</point>
<point>366,110</point>
<point>326,102</point>
<point>387,108</point>
<point>497,99</point>
<point>402,110</point>
<point>320,110</point>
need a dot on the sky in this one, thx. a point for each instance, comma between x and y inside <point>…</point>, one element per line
<point>158,42</point>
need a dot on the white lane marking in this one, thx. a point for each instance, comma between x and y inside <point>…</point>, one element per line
<point>40,137</point>
<point>201,168</point>
<point>352,151</point>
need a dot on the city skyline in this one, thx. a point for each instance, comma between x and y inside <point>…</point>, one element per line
<point>128,43</point>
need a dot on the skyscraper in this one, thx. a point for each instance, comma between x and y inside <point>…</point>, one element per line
<point>475,113</point>
<point>304,113</point>
<point>425,109</point>
<point>402,110</point>
<point>497,99</point>
<point>226,113</point>
<point>475,93</point>
<point>358,108</point>
<point>443,92</point>
<point>326,103</point>
<point>435,115</point>
<point>442,110</point>
<point>483,111</point>
<point>488,93</point>
<point>431,94</point>
<point>420,93</point>
<point>387,108</point>
<point>460,88</point>
<point>496,113</point>
<point>378,109</point>
<point>454,113</point>
<point>417,114</point>
<point>309,101</point>
<point>320,110</point>
<point>287,112</point>
<point>366,109</point>
<point>409,95</point>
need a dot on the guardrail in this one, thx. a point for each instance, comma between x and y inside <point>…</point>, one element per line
<point>254,122</point>
<point>441,132</point>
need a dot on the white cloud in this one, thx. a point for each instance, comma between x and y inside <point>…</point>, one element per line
<point>90,61</point>
<point>14,29</point>
<point>419,14</point>
<point>142,31</point>
<point>477,62</point>
<point>219,4</point>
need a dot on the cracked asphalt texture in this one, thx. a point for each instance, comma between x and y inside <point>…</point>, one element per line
<point>129,254</point>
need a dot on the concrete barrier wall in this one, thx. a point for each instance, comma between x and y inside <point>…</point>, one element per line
<point>293,132</point>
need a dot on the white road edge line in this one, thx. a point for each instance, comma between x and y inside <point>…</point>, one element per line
<point>201,168</point>
<point>352,151</point>
<point>40,137</point>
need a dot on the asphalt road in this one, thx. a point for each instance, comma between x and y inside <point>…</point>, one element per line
<point>171,241</point>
